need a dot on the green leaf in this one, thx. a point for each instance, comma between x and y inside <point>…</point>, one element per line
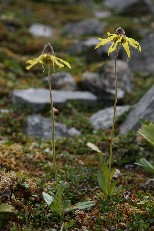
<point>106,171</point>
<point>68,224</point>
<point>57,207</point>
<point>59,194</point>
<point>147,131</point>
<point>146,165</point>
<point>6,208</point>
<point>113,187</point>
<point>102,181</point>
<point>118,189</point>
<point>66,204</point>
<point>112,173</point>
<point>57,204</point>
<point>93,147</point>
<point>48,198</point>
<point>81,206</point>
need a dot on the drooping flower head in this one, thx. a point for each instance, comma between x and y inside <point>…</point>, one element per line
<point>47,57</point>
<point>119,37</point>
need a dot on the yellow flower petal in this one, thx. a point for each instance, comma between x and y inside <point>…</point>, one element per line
<point>134,43</point>
<point>66,63</point>
<point>32,63</point>
<point>58,63</point>
<point>126,47</point>
<point>114,46</point>
<point>100,39</point>
<point>109,34</point>
<point>104,41</point>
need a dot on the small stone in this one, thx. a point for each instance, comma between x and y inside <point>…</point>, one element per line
<point>40,30</point>
<point>4,111</point>
<point>102,14</point>
<point>40,127</point>
<point>117,174</point>
<point>62,81</point>
<point>74,132</point>
<point>103,118</point>
<point>149,184</point>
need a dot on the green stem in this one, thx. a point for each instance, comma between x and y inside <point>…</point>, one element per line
<point>114,115</point>
<point>53,126</point>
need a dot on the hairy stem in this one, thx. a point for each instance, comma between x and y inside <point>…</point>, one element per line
<point>53,125</point>
<point>114,115</point>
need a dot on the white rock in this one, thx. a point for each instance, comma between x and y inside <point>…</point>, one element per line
<point>40,30</point>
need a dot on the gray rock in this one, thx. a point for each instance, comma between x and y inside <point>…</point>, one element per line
<point>103,119</point>
<point>39,30</point>
<point>149,184</point>
<point>143,32</point>
<point>76,48</point>
<point>143,61</point>
<point>40,127</point>
<point>102,82</point>
<point>74,132</point>
<point>62,81</point>
<point>132,7</point>
<point>143,110</point>
<point>85,27</point>
<point>38,99</point>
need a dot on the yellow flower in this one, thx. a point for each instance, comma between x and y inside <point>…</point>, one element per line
<point>47,57</point>
<point>119,37</point>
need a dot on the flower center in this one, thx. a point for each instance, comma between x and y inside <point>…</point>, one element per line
<point>46,59</point>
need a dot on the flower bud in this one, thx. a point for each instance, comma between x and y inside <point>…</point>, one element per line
<point>120,32</point>
<point>48,49</point>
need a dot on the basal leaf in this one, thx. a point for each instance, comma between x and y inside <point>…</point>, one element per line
<point>93,147</point>
<point>146,165</point>
<point>59,194</point>
<point>102,181</point>
<point>112,172</point>
<point>147,131</point>
<point>113,187</point>
<point>48,198</point>
<point>66,204</point>
<point>105,170</point>
<point>81,206</point>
